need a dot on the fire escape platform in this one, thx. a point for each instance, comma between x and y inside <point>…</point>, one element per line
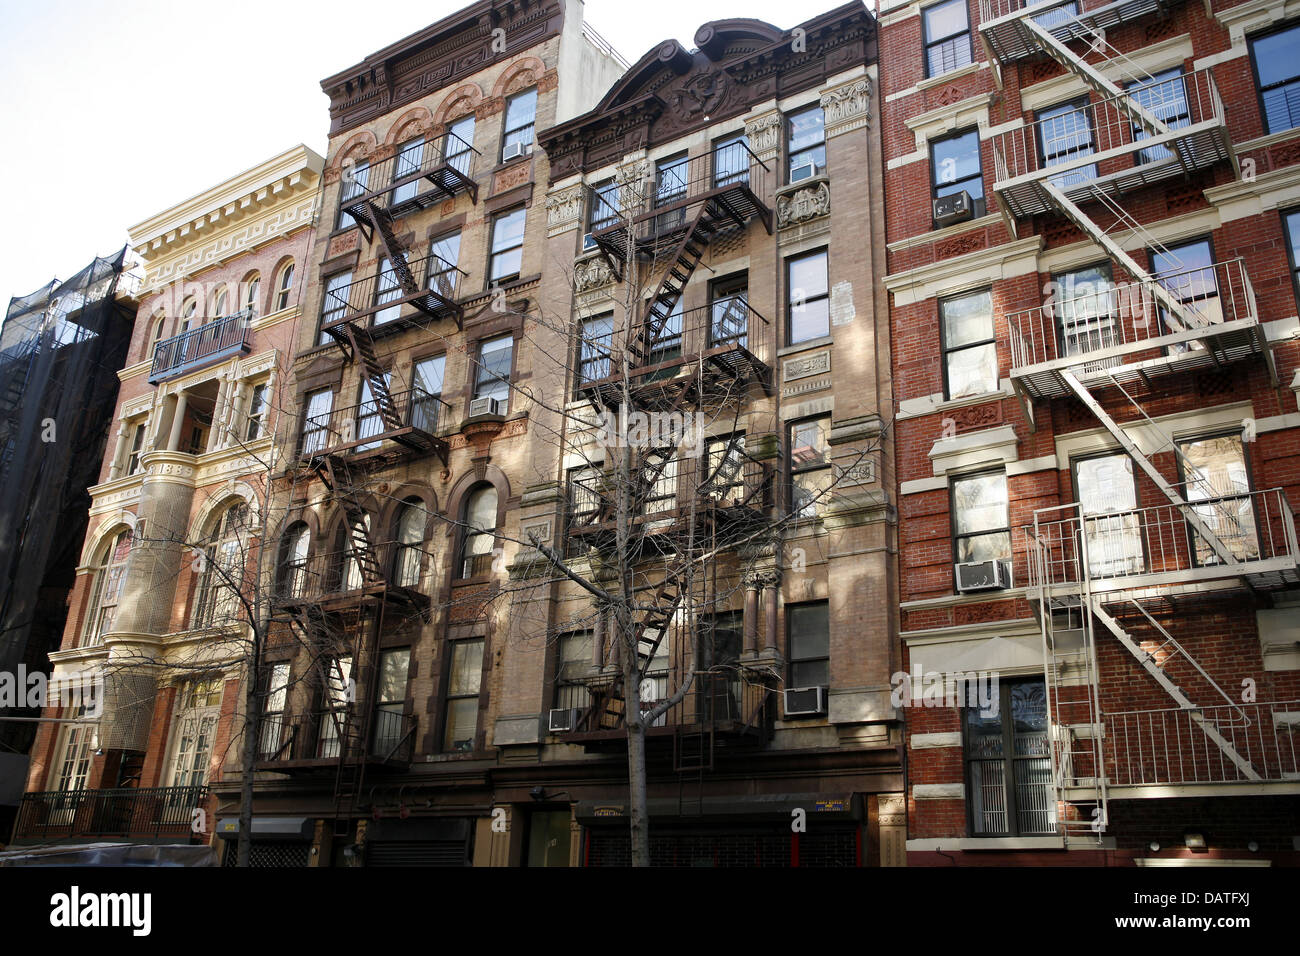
<point>658,230</point>
<point>1003,23</point>
<point>448,183</point>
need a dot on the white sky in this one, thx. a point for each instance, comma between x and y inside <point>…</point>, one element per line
<point>114,111</point>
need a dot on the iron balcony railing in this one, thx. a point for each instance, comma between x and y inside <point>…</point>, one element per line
<point>1121,319</point>
<point>132,813</point>
<point>380,297</point>
<point>365,426</point>
<point>1160,545</point>
<point>727,701</point>
<point>202,346</point>
<point>1074,150</point>
<point>413,177</point>
<point>1171,747</point>
<point>392,736</point>
<point>344,571</point>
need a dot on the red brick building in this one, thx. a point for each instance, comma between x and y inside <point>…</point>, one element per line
<point>1093,217</point>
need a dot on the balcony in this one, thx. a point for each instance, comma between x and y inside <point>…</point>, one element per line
<point>447,167</point>
<point>410,423</point>
<point>314,742</point>
<point>1008,39</point>
<point>1161,547</point>
<point>198,348</point>
<point>722,347</point>
<point>340,580</point>
<point>155,814</point>
<point>1099,150</point>
<point>730,181</point>
<point>378,302</point>
<point>1123,333</point>
<point>725,705</point>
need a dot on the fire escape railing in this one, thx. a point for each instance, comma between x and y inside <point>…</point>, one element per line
<point>366,425</point>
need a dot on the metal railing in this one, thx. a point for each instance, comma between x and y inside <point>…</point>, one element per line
<point>362,427</point>
<point>197,347</point>
<point>1126,316</point>
<point>677,184</point>
<point>726,698</point>
<point>315,736</point>
<point>1154,747</point>
<point>1080,140</point>
<point>380,295</point>
<point>396,180</point>
<point>1254,528</point>
<point>143,813</point>
<point>339,572</point>
<point>1053,13</point>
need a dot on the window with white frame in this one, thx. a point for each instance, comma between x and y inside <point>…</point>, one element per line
<point>193,731</point>
<point>521,114</point>
<point>109,576</point>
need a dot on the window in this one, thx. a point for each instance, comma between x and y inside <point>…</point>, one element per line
<point>659,479</point>
<point>1107,494</point>
<point>293,576</point>
<point>671,176</point>
<point>387,289</point>
<point>1218,489</point>
<point>109,578</point>
<point>572,662</point>
<point>73,766</point>
<point>284,287</point>
<point>334,306</point>
<point>1008,767</point>
<point>729,311</point>
<point>137,445</point>
<point>667,343</point>
<point>970,350</point>
<point>1164,96</point>
<point>1277,73</point>
<point>584,484</point>
<point>947,37</point>
<point>159,328</point>
<point>1291,222</point>
<point>654,686</point>
<point>459,145</point>
<point>955,167</point>
<point>443,276</point>
<point>1065,135</point>
<point>730,161</point>
<point>199,706</point>
<point>390,700</point>
<point>492,377</point>
<point>1085,305</point>
<point>275,691</point>
<point>354,546</point>
<point>220,301</point>
<point>465,673</point>
<point>806,143</point>
<point>810,466</point>
<point>603,211</point>
<point>411,521</point>
<point>356,179</point>
<point>507,246</point>
<point>426,403</point>
<point>981,526</point>
<point>316,420</point>
<point>595,337</point>
<point>479,532</point>
<point>338,692</point>
<point>252,290</point>
<point>808,303</point>
<point>1186,271</point>
<point>223,568</point>
<point>258,406</point>
<point>521,113</point>
<point>721,638</point>
<point>724,475</point>
<point>408,161</point>
<point>808,629</point>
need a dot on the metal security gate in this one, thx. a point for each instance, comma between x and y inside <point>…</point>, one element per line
<point>766,846</point>
<point>282,853</point>
<point>422,853</point>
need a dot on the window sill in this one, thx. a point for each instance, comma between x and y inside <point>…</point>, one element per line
<point>977,844</point>
<point>805,345</point>
<point>930,82</point>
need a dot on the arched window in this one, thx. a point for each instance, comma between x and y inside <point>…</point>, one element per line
<point>410,541</point>
<point>157,330</point>
<point>293,575</point>
<point>188,311</point>
<point>110,574</point>
<point>284,286</point>
<point>480,531</point>
<point>220,301</point>
<point>221,569</point>
<point>252,289</point>
<point>352,543</point>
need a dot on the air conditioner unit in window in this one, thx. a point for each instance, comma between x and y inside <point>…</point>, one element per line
<point>955,207</point>
<point>983,576</point>
<point>561,720</point>
<point>803,171</point>
<point>514,151</point>
<point>805,701</point>
<point>484,406</point>
<point>588,243</point>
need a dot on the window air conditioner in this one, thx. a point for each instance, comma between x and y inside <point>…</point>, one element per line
<point>805,701</point>
<point>561,720</point>
<point>983,576</point>
<point>484,406</point>
<point>514,151</point>
<point>955,207</point>
<point>803,171</point>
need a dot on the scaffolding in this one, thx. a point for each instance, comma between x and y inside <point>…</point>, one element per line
<point>60,351</point>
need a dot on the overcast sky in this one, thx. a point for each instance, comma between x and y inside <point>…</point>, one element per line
<point>114,111</point>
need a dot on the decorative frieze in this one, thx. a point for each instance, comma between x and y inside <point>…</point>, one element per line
<point>805,366</point>
<point>564,210</point>
<point>764,136</point>
<point>810,199</point>
<point>847,107</point>
<point>591,273</point>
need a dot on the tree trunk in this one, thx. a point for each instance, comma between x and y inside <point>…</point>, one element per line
<point>252,731</point>
<point>638,815</point>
